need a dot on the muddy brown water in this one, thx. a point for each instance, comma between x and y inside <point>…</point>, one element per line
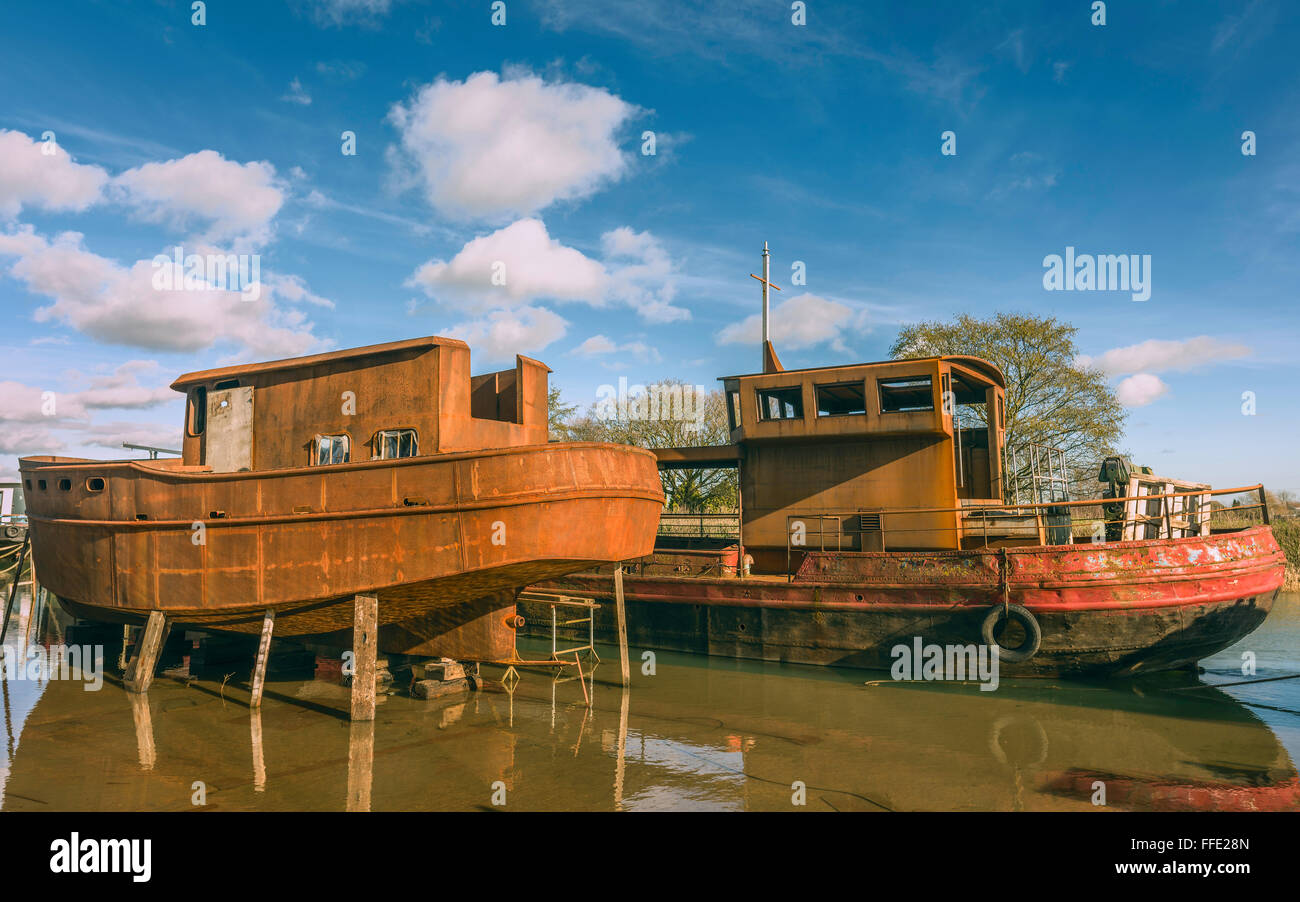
<point>700,733</point>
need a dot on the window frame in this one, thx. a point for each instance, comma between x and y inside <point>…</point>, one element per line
<point>316,445</point>
<point>763,394</point>
<point>377,443</point>
<point>859,384</point>
<point>902,381</point>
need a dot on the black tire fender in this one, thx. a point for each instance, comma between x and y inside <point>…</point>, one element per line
<point>1033,633</point>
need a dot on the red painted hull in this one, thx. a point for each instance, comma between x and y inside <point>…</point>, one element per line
<point>1112,609</point>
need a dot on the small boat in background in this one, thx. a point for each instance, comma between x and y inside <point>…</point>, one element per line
<point>384,470</point>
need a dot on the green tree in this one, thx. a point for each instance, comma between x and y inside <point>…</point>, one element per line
<point>671,414</point>
<point>557,415</point>
<point>1050,400</point>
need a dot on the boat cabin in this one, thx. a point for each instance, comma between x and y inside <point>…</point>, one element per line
<point>843,457</point>
<point>401,399</point>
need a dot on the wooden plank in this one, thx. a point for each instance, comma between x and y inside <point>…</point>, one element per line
<point>620,610</point>
<point>259,663</point>
<point>139,675</point>
<point>361,765</point>
<point>365,645</point>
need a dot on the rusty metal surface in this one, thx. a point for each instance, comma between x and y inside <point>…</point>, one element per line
<point>282,539</point>
<point>1116,609</point>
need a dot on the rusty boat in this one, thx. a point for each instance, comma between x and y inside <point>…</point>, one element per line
<point>879,506</point>
<point>384,471</point>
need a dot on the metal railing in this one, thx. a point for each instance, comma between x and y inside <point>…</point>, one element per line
<point>699,526</point>
<point>1033,517</point>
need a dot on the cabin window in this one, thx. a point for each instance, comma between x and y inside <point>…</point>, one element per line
<point>394,443</point>
<point>28,483</point>
<point>225,384</point>
<point>95,484</point>
<point>733,408</point>
<point>65,485</point>
<point>198,410</point>
<point>332,449</point>
<point>841,400</point>
<point>906,395</point>
<point>780,403</point>
<point>41,484</point>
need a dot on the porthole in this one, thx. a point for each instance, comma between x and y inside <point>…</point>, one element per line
<point>65,485</point>
<point>95,484</point>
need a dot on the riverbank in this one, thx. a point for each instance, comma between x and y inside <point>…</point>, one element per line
<point>1287,532</point>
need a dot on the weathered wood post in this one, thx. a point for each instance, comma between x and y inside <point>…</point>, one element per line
<point>361,765</point>
<point>620,612</point>
<point>139,675</point>
<point>259,757</point>
<point>13,589</point>
<point>259,664</point>
<point>365,645</point>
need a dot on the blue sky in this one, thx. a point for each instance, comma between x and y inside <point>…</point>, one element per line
<point>522,143</point>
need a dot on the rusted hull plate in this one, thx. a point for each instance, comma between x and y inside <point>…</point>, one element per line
<point>1119,609</point>
<point>424,534</point>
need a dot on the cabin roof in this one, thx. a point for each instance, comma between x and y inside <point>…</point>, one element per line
<point>978,364</point>
<point>293,363</point>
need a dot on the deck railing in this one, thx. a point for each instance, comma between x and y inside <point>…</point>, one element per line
<point>1192,515</point>
<point>700,526</point>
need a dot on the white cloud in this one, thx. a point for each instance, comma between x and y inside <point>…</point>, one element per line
<point>1158,355</point>
<point>637,272</point>
<point>595,347</point>
<point>802,321</point>
<point>346,12</point>
<point>536,266</point>
<point>237,201</point>
<point>27,440</point>
<point>490,147</point>
<point>641,275</point>
<point>297,94</point>
<point>112,435</point>
<point>599,346</point>
<point>119,305</point>
<point>504,333</point>
<point>119,390</point>
<point>30,177</point>
<point>1140,389</point>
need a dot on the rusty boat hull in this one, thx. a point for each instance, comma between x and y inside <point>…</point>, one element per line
<point>444,541</point>
<point>1117,609</point>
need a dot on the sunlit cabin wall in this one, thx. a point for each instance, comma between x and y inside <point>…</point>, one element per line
<point>427,388</point>
<point>845,463</point>
<point>396,390</point>
<point>496,410</point>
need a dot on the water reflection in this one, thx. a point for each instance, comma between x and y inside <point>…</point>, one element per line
<point>704,734</point>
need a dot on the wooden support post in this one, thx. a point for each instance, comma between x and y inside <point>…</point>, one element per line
<point>13,589</point>
<point>259,664</point>
<point>620,611</point>
<point>139,675</point>
<point>361,765</point>
<point>365,644</point>
<point>145,748</point>
<point>259,757</point>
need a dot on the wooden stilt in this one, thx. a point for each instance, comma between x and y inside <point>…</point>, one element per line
<point>259,758</point>
<point>361,765</point>
<point>259,664</point>
<point>365,644</point>
<point>620,611</point>
<point>144,742</point>
<point>139,674</point>
<point>13,589</point>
